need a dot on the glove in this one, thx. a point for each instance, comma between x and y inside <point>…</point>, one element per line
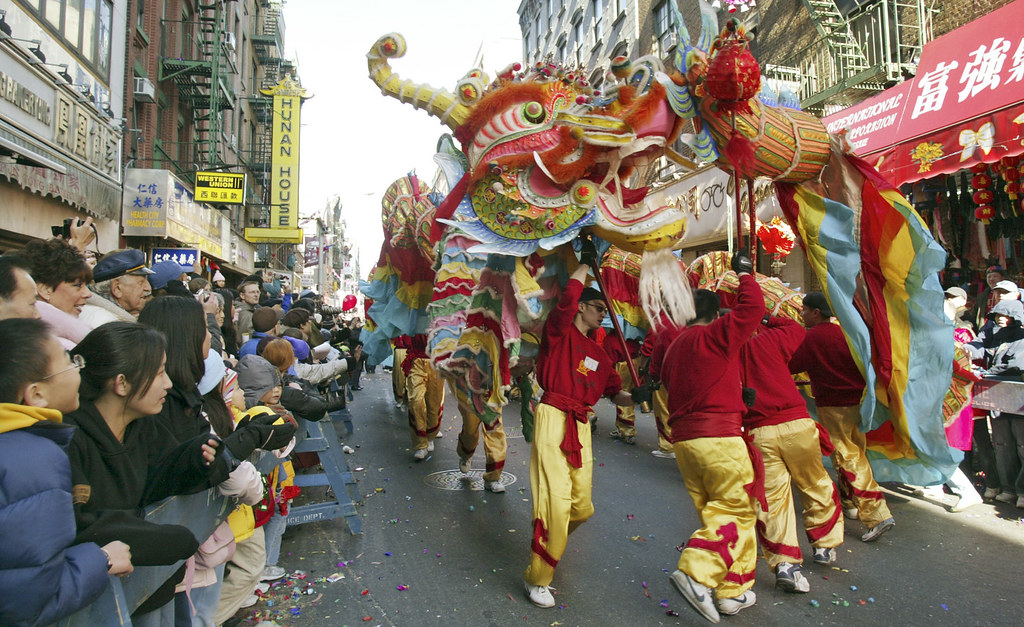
<point>641,394</point>
<point>259,432</point>
<point>588,252</point>
<point>741,263</point>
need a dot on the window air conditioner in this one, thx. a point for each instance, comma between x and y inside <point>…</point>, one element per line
<point>145,91</point>
<point>229,40</point>
<point>670,39</point>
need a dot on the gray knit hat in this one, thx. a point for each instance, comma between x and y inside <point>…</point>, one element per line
<point>256,376</point>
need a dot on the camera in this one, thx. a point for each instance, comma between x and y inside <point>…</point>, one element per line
<point>64,230</point>
<point>749,396</point>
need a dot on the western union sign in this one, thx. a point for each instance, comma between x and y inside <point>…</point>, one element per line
<point>220,187</point>
<point>284,165</point>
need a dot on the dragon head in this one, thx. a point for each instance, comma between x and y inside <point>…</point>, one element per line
<point>547,153</point>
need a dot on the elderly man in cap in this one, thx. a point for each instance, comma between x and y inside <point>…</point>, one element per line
<point>838,387</point>
<point>121,282</point>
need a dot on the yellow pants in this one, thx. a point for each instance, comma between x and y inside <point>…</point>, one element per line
<point>857,485</point>
<point>792,455</point>
<point>398,375</point>
<point>495,446</point>
<point>561,493</point>
<point>722,554</point>
<point>425,389</point>
<point>625,417</point>
<point>661,415</point>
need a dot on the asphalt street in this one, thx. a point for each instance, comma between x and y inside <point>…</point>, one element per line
<point>438,550</point>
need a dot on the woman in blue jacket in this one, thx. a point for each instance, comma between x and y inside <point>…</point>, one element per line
<point>42,577</point>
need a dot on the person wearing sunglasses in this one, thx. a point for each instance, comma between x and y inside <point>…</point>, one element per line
<point>575,373</point>
<point>38,384</point>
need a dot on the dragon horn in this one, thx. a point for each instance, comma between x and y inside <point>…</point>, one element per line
<point>440,103</point>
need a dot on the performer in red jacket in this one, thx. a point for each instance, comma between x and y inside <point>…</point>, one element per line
<point>791,447</point>
<point>575,373</point>
<point>701,370</point>
<point>838,386</point>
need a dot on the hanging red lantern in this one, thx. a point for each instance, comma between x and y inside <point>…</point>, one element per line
<point>1010,162</point>
<point>776,236</point>
<point>985,213</point>
<point>983,197</point>
<point>979,168</point>
<point>981,181</point>
<point>1013,190</point>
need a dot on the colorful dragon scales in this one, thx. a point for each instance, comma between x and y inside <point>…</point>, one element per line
<point>544,156</point>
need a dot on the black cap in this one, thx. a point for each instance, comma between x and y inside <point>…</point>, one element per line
<point>817,300</point>
<point>590,294</point>
<point>119,263</point>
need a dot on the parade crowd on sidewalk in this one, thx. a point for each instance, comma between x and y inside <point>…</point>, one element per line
<point>123,384</point>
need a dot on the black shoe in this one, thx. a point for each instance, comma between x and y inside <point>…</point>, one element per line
<point>355,387</point>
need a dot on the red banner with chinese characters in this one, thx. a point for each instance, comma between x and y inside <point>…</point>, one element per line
<point>964,105</point>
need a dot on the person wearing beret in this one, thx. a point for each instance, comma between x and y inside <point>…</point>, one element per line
<point>122,286</point>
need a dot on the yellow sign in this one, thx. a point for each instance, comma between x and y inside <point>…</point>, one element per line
<point>260,235</point>
<point>220,187</point>
<point>284,166</point>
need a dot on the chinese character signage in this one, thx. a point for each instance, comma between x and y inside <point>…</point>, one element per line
<point>311,254</point>
<point>187,257</point>
<point>157,204</point>
<point>965,105</point>
<point>220,187</point>
<point>284,165</point>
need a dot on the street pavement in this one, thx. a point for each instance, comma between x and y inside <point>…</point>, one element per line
<point>438,550</point>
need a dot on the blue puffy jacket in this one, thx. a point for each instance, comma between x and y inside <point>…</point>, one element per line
<point>42,577</point>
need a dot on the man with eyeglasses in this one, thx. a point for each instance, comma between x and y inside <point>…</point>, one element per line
<point>575,373</point>
<point>123,287</point>
<point>38,384</point>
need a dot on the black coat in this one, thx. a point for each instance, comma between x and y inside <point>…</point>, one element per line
<point>306,403</point>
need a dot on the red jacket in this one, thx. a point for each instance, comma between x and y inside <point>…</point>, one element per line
<point>765,359</point>
<point>824,355</point>
<point>570,363</point>
<point>701,370</point>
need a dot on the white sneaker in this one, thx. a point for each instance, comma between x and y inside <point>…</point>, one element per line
<point>249,601</point>
<point>272,573</point>
<point>430,446</point>
<point>875,532</point>
<point>697,594</point>
<point>967,500</point>
<point>1020,502</point>
<point>419,454</point>
<point>262,587</point>
<point>494,486</point>
<point>825,556</point>
<point>852,513</point>
<point>465,465</point>
<point>439,435</point>
<point>539,595</point>
<point>663,454</point>
<point>990,493</point>
<point>1006,497</point>
<point>789,577</point>
<point>732,606</point>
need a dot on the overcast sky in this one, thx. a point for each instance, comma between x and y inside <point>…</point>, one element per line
<point>355,141</point>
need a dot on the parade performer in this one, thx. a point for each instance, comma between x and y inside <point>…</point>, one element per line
<point>424,388</point>
<point>713,458</point>
<point>791,447</point>
<point>575,373</point>
<point>838,387</point>
<point>495,445</point>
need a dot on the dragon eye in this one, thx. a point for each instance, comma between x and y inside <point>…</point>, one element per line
<point>534,112</point>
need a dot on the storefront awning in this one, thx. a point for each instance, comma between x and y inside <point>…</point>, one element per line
<point>966,104</point>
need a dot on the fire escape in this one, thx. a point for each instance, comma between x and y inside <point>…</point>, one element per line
<point>858,52</point>
<point>199,57</point>
<point>268,44</point>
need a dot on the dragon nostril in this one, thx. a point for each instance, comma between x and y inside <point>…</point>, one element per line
<point>534,112</point>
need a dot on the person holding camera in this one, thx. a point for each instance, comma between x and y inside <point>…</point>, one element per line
<point>707,408</point>
<point>791,445</point>
<point>837,386</point>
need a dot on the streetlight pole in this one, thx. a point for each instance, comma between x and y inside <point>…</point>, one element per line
<point>321,240</point>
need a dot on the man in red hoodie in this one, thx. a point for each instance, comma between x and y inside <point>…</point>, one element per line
<point>575,373</point>
<point>791,447</point>
<point>838,386</point>
<point>701,371</point>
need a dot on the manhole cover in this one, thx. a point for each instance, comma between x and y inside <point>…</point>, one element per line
<point>456,480</point>
<point>513,432</point>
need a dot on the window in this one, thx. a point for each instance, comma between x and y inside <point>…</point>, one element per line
<point>140,17</point>
<point>577,30</point>
<point>598,12</point>
<point>551,8</point>
<point>561,51</point>
<point>84,26</point>
<point>663,31</point>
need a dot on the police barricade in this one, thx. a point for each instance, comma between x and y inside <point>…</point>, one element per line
<point>321,438</point>
<point>1004,395</point>
<point>202,513</point>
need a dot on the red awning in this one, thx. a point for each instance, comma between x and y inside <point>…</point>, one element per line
<point>965,105</point>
